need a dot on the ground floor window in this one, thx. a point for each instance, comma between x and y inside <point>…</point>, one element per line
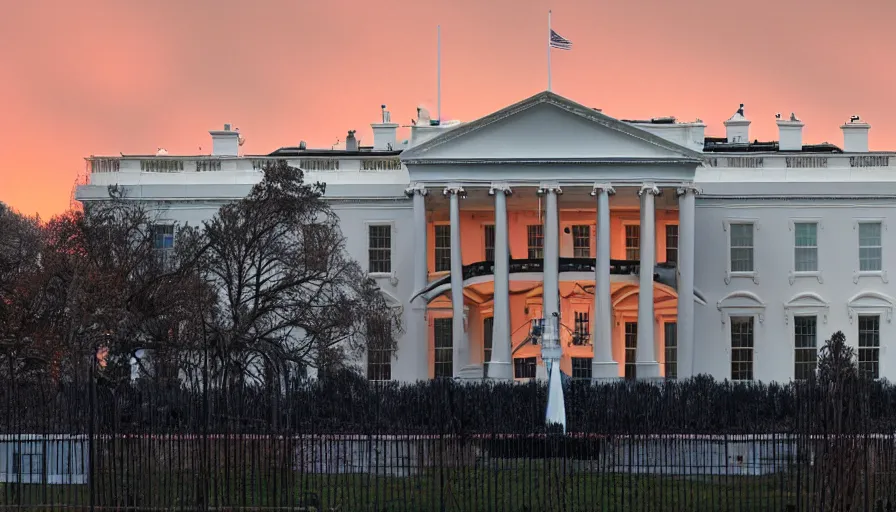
<point>742,348</point>
<point>805,338</point>
<point>631,346</point>
<point>444,352</point>
<point>524,367</point>
<point>488,325</point>
<point>581,368</point>
<point>670,342</point>
<point>869,345</point>
<point>379,360</point>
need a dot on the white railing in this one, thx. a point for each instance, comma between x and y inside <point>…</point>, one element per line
<point>805,161</point>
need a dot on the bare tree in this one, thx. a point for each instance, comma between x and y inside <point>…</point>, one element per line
<point>289,295</point>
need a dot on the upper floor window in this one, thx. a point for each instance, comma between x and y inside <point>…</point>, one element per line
<point>805,257</point>
<point>741,247</point>
<point>632,242</point>
<point>535,237</point>
<point>742,342</point>
<point>870,247</point>
<point>162,236</point>
<point>869,345</point>
<point>379,249</point>
<point>443,247</point>
<point>581,241</point>
<point>443,329</point>
<point>489,242</point>
<point>672,243</point>
<point>805,343</point>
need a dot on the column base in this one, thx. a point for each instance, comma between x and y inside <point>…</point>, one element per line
<point>647,370</point>
<point>472,372</point>
<point>605,371</point>
<point>499,370</point>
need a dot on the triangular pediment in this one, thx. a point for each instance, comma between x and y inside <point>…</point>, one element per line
<point>548,127</point>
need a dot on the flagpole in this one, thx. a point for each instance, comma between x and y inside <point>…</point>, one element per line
<point>549,51</point>
<point>439,74</point>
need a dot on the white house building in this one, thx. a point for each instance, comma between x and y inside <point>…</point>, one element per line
<point>754,252</point>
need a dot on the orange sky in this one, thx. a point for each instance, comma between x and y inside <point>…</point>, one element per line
<point>113,76</point>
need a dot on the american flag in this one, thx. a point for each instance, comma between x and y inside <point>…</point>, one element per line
<point>559,42</point>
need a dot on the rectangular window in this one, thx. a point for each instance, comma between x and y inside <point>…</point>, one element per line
<point>488,325</point>
<point>581,333</point>
<point>742,348</point>
<point>805,242</point>
<point>443,247</point>
<point>805,343</point>
<point>671,243</point>
<point>631,346</point>
<point>444,352</point>
<point>162,236</point>
<point>536,241</point>
<point>379,249</point>
<point>670,342</point>
<point>581,368</point>
<point>869,345</point>
<point>581,241</point>
<point>741,247</point>
<point>524,367</point>
<point>316,247</point>
<point>870,247</point>
<point>489,242</point>
<point>27,462</point>
<point>633,242</point>
<point>379,358</point>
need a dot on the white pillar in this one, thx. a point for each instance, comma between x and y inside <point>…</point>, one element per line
<point>646,363</point>
<point>500,367</point>
<point>419,326</point>
<point>602,365</point>
<point>551,279</point>
<point>686,252</point>
<point>458,339</point>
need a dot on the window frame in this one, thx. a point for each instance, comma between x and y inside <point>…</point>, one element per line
<point>572,372</point>
<point>450,348</point>
<point>589,239</point>
<point>858,273</point>
<point>666,240</point>
<point>485,230</point>
<point>743,303</point>
<point>625,238</point>
<point>487,333</point>
<point>793,335</point>
<point>879,348</point>
<point>730,274</point>
<point>435,246</point>
<point>392,231</point>
<point>795,274</point>
<point>524,361</point>
<point>731,347</point>
<point>626,350</point>
<point>529,238</point>
<point>666,363</point>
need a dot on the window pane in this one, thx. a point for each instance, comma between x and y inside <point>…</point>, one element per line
<point>489,243</point>
<point>869,346</point>
<point>670,340</point>
<point>805,247</point>
<point>742,348</point>
<point>444,353</point>
<point>870,252</point>
<point>443,247</point>
<point>524,367</point>
<point>581,241</point>
<point>581,367</point>
<point>633,242</point>
<point>488,326</point>
<point>631,345</point>
<point>379,245</point>
<point>805,339</point>
<point>741,247</point>
<point>536,241</point>
<point>672,243</point>
<point>581,333</point>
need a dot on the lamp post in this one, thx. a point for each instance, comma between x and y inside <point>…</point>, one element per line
<point>550,354</point>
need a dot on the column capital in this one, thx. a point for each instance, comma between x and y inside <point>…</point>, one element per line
<point>416,188</point>
<point>500,187</point>
<point>649,188</point>
<point>602,187</point>
<point>454,190</point>
<point>546,188</point>
<point>689,188</point>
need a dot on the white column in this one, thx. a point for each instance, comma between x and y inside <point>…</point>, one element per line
<point>500,365</point>
<point>686,252</point>
<point>551,279</point>
<point>458,338</point>
<point>645,355</point>
<point>603,366</point>
<point>419,326</point>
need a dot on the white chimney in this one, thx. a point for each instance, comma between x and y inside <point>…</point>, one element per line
<point>790,133</point>
<point>351,143</point>
<point>225,142</point>
<point>737,128</point>
<point>385,133</point>
<point>855,135</point>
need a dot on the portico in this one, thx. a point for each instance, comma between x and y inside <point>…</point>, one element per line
<point>542,174</point>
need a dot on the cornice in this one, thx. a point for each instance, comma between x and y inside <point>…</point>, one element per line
<point>552,161</point>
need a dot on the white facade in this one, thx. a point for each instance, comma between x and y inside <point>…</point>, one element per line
<point>747,206</point>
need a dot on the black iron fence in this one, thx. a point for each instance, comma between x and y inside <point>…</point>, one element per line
<point>340,443</point>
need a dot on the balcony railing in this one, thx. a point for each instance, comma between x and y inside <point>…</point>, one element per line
<point>805,161</point>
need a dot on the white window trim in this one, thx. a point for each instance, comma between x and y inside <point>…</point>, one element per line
<point>729,275</point>
<point>871,303</point>
<point>741,303</point>
<point>882,273</point>
<point>806,304</point>
<point>758,317</point>
<point>881,313</point>
<point>393,275</point>
<point>817,274</point>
